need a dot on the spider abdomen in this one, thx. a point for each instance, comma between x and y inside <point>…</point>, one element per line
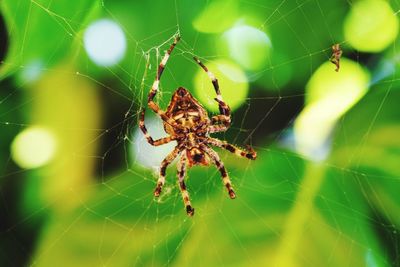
<point>196,157</point>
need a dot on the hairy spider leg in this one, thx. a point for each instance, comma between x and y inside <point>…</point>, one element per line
<point>181,175</point>
<point>149,139</point>
<point>160,70</point>
<point>225,111</point>
<point>164,164</point>
<point>250,154</point>
<point>215,127</point>
<point>152,105</point>
<point>220,165</point>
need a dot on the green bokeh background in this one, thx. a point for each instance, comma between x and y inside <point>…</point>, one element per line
<point>93,205</point>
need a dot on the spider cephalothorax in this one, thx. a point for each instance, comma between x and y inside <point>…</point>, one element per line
<point>187,122</point>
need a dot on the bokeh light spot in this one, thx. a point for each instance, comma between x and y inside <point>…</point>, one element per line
<point>33,147</point>
<point>232,82</point>
<point>347,85</point>
<point>105,42</point>
<point>212,20</point>
<point>31,72</point>
<point>371,25</point>
<point>329,95</point>
<point>248,46</point>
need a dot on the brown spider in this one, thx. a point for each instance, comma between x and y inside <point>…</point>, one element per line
<point>187,122</point>
<point>336,54</point>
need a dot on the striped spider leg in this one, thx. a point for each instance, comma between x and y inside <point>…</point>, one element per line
<point>164,164</point>
<point>250,153</point>
<point>220,166</point>
<point>181,173</point>
<point>153,106</point>
<point>225,112</point>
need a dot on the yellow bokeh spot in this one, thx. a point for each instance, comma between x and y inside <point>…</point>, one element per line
<point>248,46</point>
<point>371,25</point>
<point>217,16</point>
<point>33,147</point>
<point>346,85</point>
<point>329,95</point>
<point>232,82</point>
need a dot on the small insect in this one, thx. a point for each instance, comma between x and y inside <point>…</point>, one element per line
<point>336,54</point>
<point>187,122</point>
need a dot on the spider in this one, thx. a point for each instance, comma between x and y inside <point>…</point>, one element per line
<point>187,122</point>
<point>336,54</point>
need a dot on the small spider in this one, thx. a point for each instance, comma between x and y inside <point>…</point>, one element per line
<point>187,122</point>
<point>336,54</point>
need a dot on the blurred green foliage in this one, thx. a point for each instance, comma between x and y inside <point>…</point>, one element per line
<point>93,205</point>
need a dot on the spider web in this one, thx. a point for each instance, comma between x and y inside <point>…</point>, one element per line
<point>93,205</point>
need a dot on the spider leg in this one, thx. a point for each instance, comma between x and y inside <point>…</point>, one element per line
<point>164,164</point>
<point>160,70</point>
<point>215,127</point>
<point>224,109</point>
<point>250,154</point>
<point>149,139</point>
<point>152,105</point>
<point>220,165</point>
<point>181,175</point>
